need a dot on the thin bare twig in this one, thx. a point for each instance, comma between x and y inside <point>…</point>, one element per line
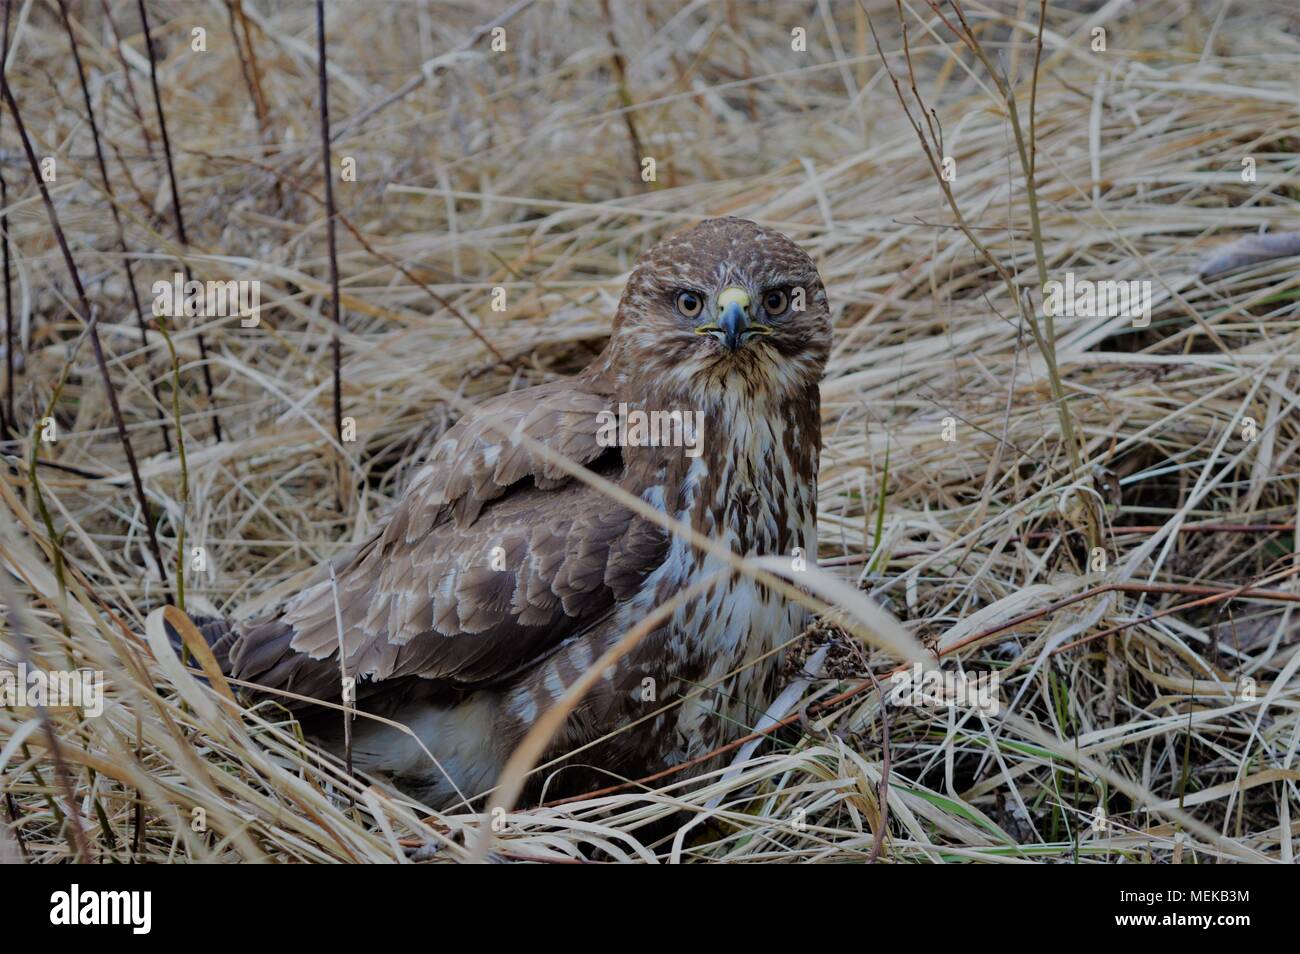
<point>90,320</point>
<point>931,145</point>
<point>126,78</point>
<point>177,211</point>
<point>328,172</point>
<point>117,220</point>
<point>10,425</point>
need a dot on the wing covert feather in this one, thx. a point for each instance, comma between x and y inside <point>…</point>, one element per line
<point>467,583</point>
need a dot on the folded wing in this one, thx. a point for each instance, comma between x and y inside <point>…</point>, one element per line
<point>493,558</point>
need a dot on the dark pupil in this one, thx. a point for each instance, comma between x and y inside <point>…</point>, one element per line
<point>774,301</point>
<point>690,302</point>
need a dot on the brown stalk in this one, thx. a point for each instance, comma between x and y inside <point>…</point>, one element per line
<point>90,319</point>
<point>177,211</point>
<point>243,36</point>
<point>929,139</point>
<point>625,97</point>
<point>117,220</point>
<point>335,346</point>
<point>126,77</point>
<point>10,425</point>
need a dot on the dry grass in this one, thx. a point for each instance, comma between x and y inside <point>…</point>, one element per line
<point>518,170</point>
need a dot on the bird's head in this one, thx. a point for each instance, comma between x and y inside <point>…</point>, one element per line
<point>727,304</point>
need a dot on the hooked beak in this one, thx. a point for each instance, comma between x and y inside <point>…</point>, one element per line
<point>734,322</point>
<point>733,319</point>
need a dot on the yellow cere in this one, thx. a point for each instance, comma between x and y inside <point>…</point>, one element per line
<point>738,295</point>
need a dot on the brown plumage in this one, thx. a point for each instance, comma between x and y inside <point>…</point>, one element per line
<point>498,580</point>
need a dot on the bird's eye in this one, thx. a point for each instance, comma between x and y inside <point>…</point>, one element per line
<point>689,303</point>
<point>775,301</point>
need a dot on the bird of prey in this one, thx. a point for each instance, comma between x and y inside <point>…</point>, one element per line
<point>498,579</point>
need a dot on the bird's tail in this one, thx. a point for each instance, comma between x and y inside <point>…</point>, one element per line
<point>218,633</point>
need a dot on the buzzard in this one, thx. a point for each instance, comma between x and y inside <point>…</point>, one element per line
<point>498,580</point>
